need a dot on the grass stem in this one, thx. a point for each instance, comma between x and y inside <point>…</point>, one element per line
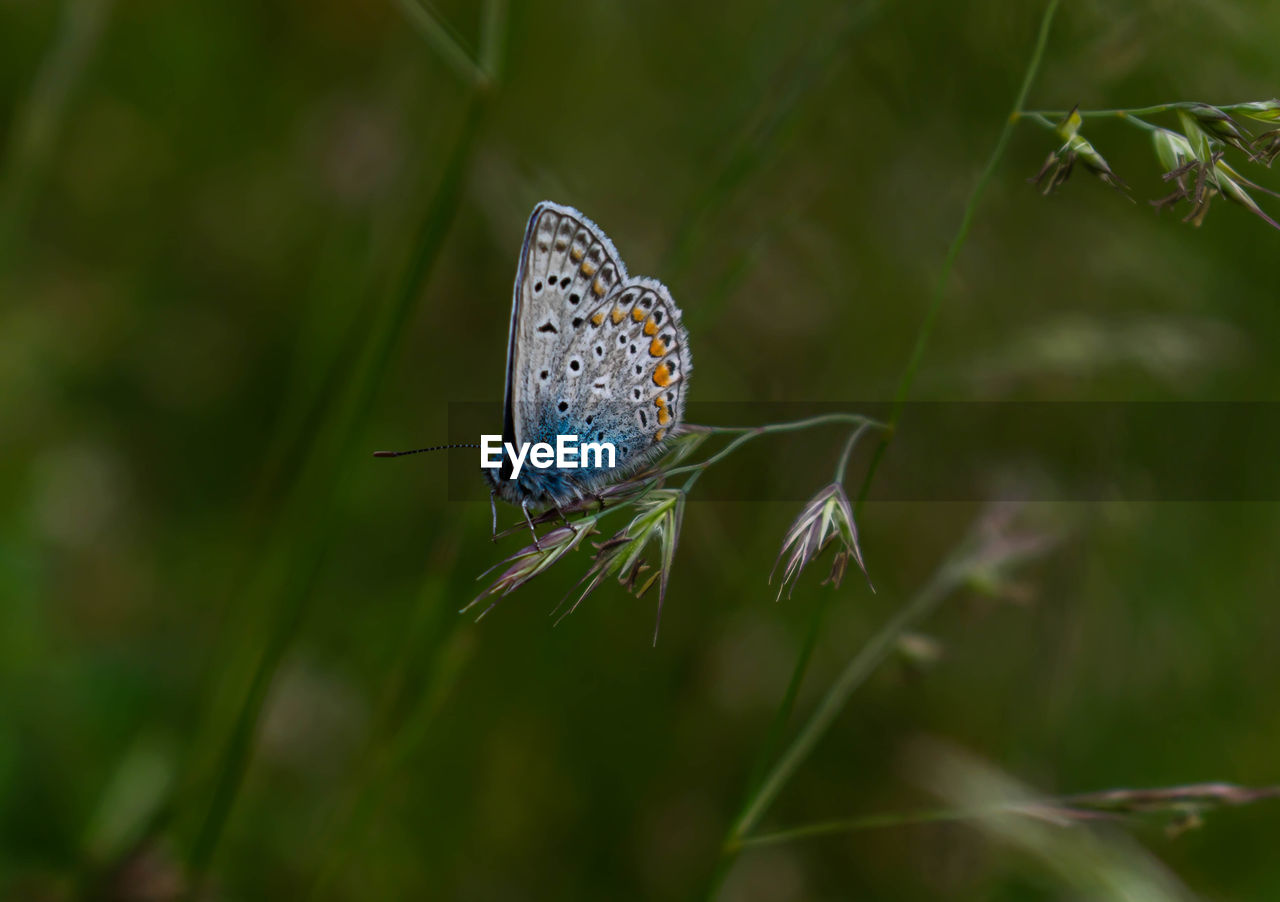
<point>760,797</point>
<point>294,575</point>
<point>855,673</point>
<point>1153,110</point>
<point>939,292</point>
<point>747,433</point>
<point>448,44</point>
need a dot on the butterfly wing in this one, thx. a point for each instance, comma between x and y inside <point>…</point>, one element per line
<point>566,266</point>
<point>592,353</point>
<point>635,362</point>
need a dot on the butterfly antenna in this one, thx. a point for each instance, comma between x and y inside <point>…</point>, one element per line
<point>420,450</point>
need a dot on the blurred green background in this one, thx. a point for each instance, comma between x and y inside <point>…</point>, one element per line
<point>244,244</point>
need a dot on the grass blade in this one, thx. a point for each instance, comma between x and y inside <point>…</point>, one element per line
<point>444,41</point>
<point>288,583</point>
<point>39,121</point>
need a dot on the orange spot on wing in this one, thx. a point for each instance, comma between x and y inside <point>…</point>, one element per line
<point>660,401</point>
<point>657,348</point>
<point>597,318</point>
<point>650,327</point>
<point>637,314</point>
<point>576,254</point>
<point>617,315</point>
<point>598,288</point>
<point>664,417</point>
<point>588,269</point>
<point>660,435</point>
<point>661,376</point>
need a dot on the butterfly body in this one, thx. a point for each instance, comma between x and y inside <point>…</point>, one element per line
<point>593,353</point>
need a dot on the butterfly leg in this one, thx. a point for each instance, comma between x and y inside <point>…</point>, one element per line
<point>524,506</point>
<point>565,520</point>
<point>493,508</point>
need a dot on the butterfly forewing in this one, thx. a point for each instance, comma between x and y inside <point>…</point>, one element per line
<point>567,264</point>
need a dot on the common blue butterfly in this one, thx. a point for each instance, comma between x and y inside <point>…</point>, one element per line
<point>591,352</point>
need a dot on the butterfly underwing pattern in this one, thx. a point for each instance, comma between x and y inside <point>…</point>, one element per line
<point>591,352</point>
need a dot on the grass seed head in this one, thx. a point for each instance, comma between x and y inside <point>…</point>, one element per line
<point>1260,110</point>
<point>657,521</point>
<point>826,519</point>
<point>1266,147</point>
<point>1221,126</point>
<point>531,560</point>
<point>1076,149</point>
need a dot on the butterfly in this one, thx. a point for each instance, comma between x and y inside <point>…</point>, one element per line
<point>591,352</point>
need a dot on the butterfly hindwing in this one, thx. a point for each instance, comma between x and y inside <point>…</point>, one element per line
<point>639,355</point>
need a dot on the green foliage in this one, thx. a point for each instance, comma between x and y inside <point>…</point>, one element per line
<point>243,245</point>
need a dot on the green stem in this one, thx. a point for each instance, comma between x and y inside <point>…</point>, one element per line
<point>1109,114</point>
<point>871,655</point>
<point>1169,801</point>
<point>843,464</point>
<point>1043,119</point>
<point>789,426</point>
<point>953,252</point>
<point>872,822</point>
<point>747,433</point>
<point>783,713</point>
<point>854,675</point>
<point>1134,111</point>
